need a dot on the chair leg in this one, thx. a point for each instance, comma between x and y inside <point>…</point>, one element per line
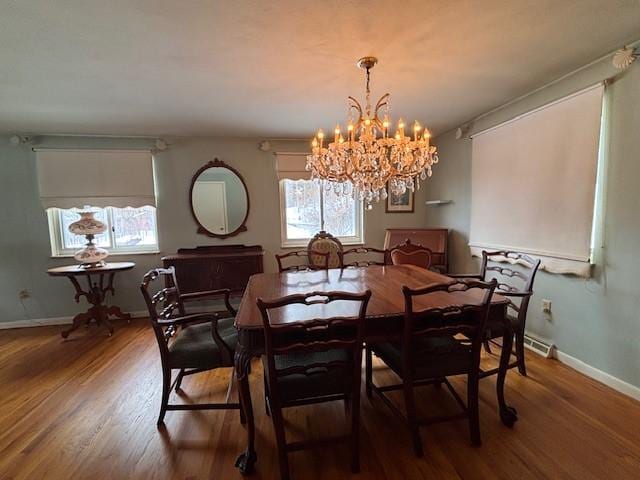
<point>179,379</point>
<point>473,408</point>
<point>368,373</point>
<point>520,353</point>
<point>278,426</point>
<point>487,347</point>
<point>410,406</point>
<point>166,390</point>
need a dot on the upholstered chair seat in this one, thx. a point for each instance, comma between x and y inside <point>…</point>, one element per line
<point>432,357</point>
<point>318,381</point>
<point>194,347</point>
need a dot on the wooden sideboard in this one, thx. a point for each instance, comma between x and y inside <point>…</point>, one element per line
<point>214,267</point>
<point>435,239</point>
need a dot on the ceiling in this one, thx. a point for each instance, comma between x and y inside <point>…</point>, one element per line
<point>283,68</point>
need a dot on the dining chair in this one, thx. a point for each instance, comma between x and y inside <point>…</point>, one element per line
<point>364,257</point>
<point>189,343</point>
<point>409,253</point>
<point>320,261</point>
<point>432,349</point>
<point>518,293</point>
<point>326,243</point>
<point>313,361</point>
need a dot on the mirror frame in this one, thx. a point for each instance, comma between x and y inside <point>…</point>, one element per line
<point>201,229</point>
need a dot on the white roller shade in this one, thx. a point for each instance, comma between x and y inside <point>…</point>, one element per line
<point>100,178</point>
<point>292,166</point>
<point>533,183</point>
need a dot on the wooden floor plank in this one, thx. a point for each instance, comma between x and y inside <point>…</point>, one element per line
<point>85,408</point>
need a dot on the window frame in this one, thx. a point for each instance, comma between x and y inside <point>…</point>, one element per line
<point>357,239</point>
<point>57,241</point>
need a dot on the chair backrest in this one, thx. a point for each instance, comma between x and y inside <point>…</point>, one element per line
<point>163,303</point>
<point>408,253</point>
<point>325,242</point>
<point>364,257</point>
<point>435,311</point>
<point>315,334</point>
<point>526,274</point>
<point>321,260</point>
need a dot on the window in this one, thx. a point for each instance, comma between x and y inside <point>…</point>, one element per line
<point>306,208</point>
<point>130,230</point>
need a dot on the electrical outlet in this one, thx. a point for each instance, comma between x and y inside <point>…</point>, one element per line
<point>546,306</point>
<point>23,294</point>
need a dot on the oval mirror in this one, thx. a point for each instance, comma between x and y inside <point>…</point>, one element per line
<point>219,200</point>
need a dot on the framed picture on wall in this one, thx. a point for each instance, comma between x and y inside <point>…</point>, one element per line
<point>402,203</point>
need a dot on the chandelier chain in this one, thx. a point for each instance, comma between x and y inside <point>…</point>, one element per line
<point>368,96</point>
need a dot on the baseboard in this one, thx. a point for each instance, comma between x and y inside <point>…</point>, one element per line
<point>603,377</point>
<point>45,322</point>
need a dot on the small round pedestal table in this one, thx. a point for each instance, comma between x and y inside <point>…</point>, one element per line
<point>95,292</point>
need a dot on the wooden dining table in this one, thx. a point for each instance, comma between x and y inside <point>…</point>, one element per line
<point>384,319</point>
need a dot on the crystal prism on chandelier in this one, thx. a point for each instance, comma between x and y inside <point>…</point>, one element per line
<point>370,157</point>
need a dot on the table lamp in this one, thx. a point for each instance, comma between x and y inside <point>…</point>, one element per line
<point>91,255</point>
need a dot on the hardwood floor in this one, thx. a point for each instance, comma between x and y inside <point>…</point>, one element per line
<point>85,408</point>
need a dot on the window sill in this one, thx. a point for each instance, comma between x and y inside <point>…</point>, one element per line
<point>112,254</point>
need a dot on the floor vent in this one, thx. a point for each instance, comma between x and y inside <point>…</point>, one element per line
<point>539,347</point>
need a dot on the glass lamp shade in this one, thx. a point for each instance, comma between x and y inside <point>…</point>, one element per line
<point>91,256</point>
<point>87,225</point>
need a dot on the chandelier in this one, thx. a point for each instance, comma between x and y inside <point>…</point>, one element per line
<point>370,157</point>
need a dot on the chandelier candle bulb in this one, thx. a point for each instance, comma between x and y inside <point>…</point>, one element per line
<point>401,128</point>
